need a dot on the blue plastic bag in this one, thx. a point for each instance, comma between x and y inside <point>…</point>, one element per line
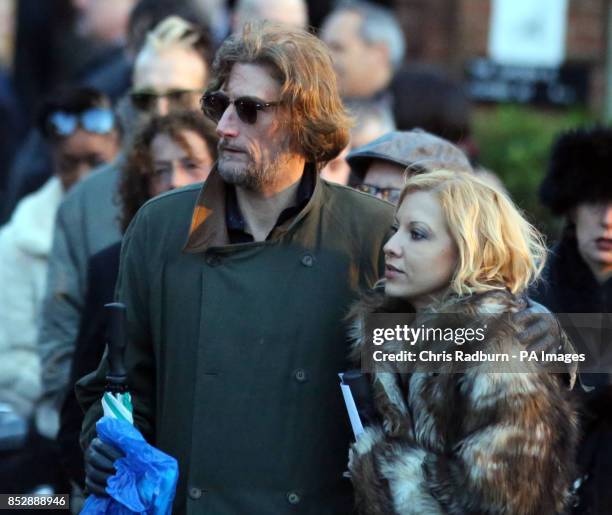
<point>145,481</point>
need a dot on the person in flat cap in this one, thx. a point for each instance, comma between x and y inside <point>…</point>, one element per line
<point>381,167</point>
<point>578,279</point>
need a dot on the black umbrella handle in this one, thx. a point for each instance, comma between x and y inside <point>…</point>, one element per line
<point>116,339</point>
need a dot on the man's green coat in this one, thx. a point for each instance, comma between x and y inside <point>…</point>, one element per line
<point>235,349</point>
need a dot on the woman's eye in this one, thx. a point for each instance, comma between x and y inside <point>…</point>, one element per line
<point>395,228</point>
<point>190,165</point>
<point>417,235</point>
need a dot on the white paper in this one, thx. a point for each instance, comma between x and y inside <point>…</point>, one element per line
<point>351,408</point>
<point>528,32</point>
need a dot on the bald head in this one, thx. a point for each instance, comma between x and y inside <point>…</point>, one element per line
<point>290,12</point>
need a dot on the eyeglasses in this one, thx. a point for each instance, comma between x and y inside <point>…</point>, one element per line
<point>177,98</point>
<point>389,194</point>
<point>215,104</point>
<point>97,120</point>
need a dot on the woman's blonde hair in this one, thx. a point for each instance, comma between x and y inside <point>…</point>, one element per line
<point>497,247</point>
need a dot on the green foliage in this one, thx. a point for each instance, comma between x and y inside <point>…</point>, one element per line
<point>514,143</point>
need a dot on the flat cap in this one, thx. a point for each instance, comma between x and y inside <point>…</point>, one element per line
<point>415,149</point>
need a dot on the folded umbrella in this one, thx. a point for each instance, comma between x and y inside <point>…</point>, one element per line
<point>145,481</point>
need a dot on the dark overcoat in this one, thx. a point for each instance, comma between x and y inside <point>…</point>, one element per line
<point>235,348</point>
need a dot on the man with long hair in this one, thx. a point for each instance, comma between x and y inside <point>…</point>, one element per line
<point>236,293</point>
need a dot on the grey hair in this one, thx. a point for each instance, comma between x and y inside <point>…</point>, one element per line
<point>250,10</point>
<point>379,25</point>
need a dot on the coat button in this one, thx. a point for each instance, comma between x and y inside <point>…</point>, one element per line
<point>300,375</point>
<point>308,260</point>
<point>195,493</point>
<point>213,260</point>
<point>293,498</point>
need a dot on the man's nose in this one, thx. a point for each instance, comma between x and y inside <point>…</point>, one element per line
<point>227,127</point>
<point>163,106</point>
<point>179,177</point>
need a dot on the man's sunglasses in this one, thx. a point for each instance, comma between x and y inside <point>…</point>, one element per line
<point>215,104</point>
<point>177,98</point>
<point>389,194</point>
<point>98,120</point>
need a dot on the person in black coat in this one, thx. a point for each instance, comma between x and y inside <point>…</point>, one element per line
<point>165,155</point>
<point>578,279</point>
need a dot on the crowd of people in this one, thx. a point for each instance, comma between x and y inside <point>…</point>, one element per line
<point>253,184</point>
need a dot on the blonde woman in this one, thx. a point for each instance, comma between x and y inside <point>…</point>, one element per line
<point>476,441</point>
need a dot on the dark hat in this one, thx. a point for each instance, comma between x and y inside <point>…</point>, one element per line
<point>415,149</point>
<point>580,169</point>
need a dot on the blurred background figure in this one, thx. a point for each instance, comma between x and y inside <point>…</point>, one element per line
<point>577,279</point>
<point>169,74</point>
<point>290,12</point>
<point>112,75</point>
<point>382,166</point>
<point>105,23</point>
<point>429,98</point>
<point>578,187</point>
<point>367,46</point>
<point>81,129</point>
<point>372,119</point>
<point>171,151</point>
<point>43,33</point>
<point>215,14</point>
<point>95,50</point>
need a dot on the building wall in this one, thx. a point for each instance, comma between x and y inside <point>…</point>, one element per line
<point>448,32</point>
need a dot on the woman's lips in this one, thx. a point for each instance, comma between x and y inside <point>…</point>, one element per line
<point>604,244</point>
<point>391,272</point>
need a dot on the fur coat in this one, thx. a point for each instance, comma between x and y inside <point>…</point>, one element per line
<point>467,443</point>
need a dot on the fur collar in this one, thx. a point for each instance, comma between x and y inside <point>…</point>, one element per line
<point>495,302</point>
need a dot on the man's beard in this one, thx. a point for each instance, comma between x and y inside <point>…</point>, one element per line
<point>253,176</point>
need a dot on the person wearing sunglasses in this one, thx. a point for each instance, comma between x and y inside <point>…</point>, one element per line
<point>82,133</point>
<point>236,292</point>
<point>170,72</point>
<point>81,139</point>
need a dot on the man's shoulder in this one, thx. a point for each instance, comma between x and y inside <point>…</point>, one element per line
<point>181,198</point>
<point>171,212</point>
<point>350,202</point>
